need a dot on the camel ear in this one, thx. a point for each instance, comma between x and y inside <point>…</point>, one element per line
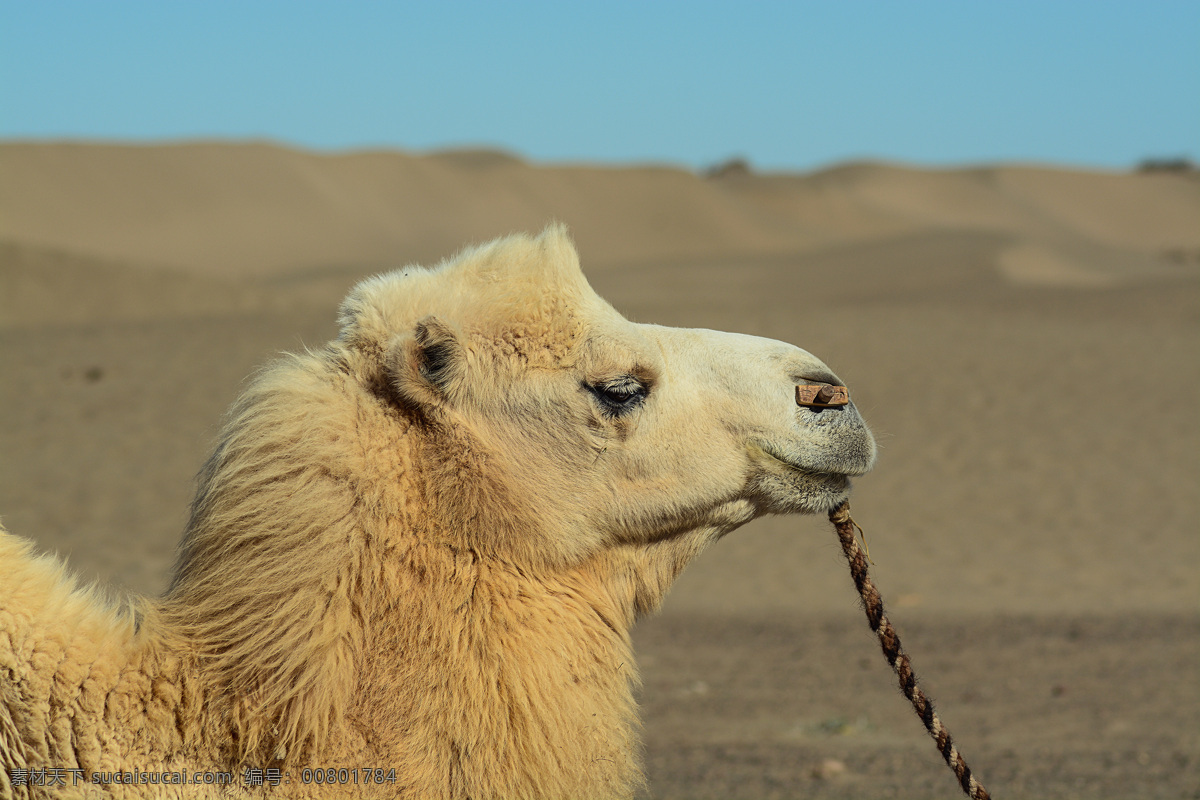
<point>428,364</point>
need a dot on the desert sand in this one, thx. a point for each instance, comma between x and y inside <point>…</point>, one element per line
<point>1024,341</point>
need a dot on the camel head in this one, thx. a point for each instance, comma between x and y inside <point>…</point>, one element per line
<point>555,427</point>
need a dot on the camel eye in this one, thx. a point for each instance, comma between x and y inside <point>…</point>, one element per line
<point>617,397</point>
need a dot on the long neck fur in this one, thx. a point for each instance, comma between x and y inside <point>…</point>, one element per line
<point>315,593</point>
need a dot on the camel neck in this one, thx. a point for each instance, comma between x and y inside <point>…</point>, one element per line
<point>482,673</point>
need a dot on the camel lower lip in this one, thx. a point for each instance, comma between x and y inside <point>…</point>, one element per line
<point>809,472</point>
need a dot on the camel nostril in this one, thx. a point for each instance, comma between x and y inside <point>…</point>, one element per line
<point>822,396</point>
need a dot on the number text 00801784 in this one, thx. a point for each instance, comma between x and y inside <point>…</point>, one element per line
<point>344,775</point>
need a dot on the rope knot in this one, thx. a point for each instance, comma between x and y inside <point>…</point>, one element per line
<point>840,514</point>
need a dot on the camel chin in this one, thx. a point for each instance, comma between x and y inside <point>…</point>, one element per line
<point>781,487</point>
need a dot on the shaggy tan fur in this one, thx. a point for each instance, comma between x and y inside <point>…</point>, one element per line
<point>421,549</point>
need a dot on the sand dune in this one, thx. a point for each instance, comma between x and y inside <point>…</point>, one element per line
<point>1025,341</point>
<point>255,209</point>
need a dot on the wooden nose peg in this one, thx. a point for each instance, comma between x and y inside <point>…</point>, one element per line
<point>824,396</point>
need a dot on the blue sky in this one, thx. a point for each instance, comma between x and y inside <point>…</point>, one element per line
<point>787,85</point>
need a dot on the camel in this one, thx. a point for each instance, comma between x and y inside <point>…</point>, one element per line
<point>415,556</point>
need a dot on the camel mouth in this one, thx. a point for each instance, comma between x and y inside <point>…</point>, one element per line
<point>833,474</point>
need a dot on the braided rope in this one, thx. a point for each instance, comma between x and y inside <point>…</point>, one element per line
<point>894,652</point>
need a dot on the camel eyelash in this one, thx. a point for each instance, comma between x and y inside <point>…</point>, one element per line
<point>620,396</point>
